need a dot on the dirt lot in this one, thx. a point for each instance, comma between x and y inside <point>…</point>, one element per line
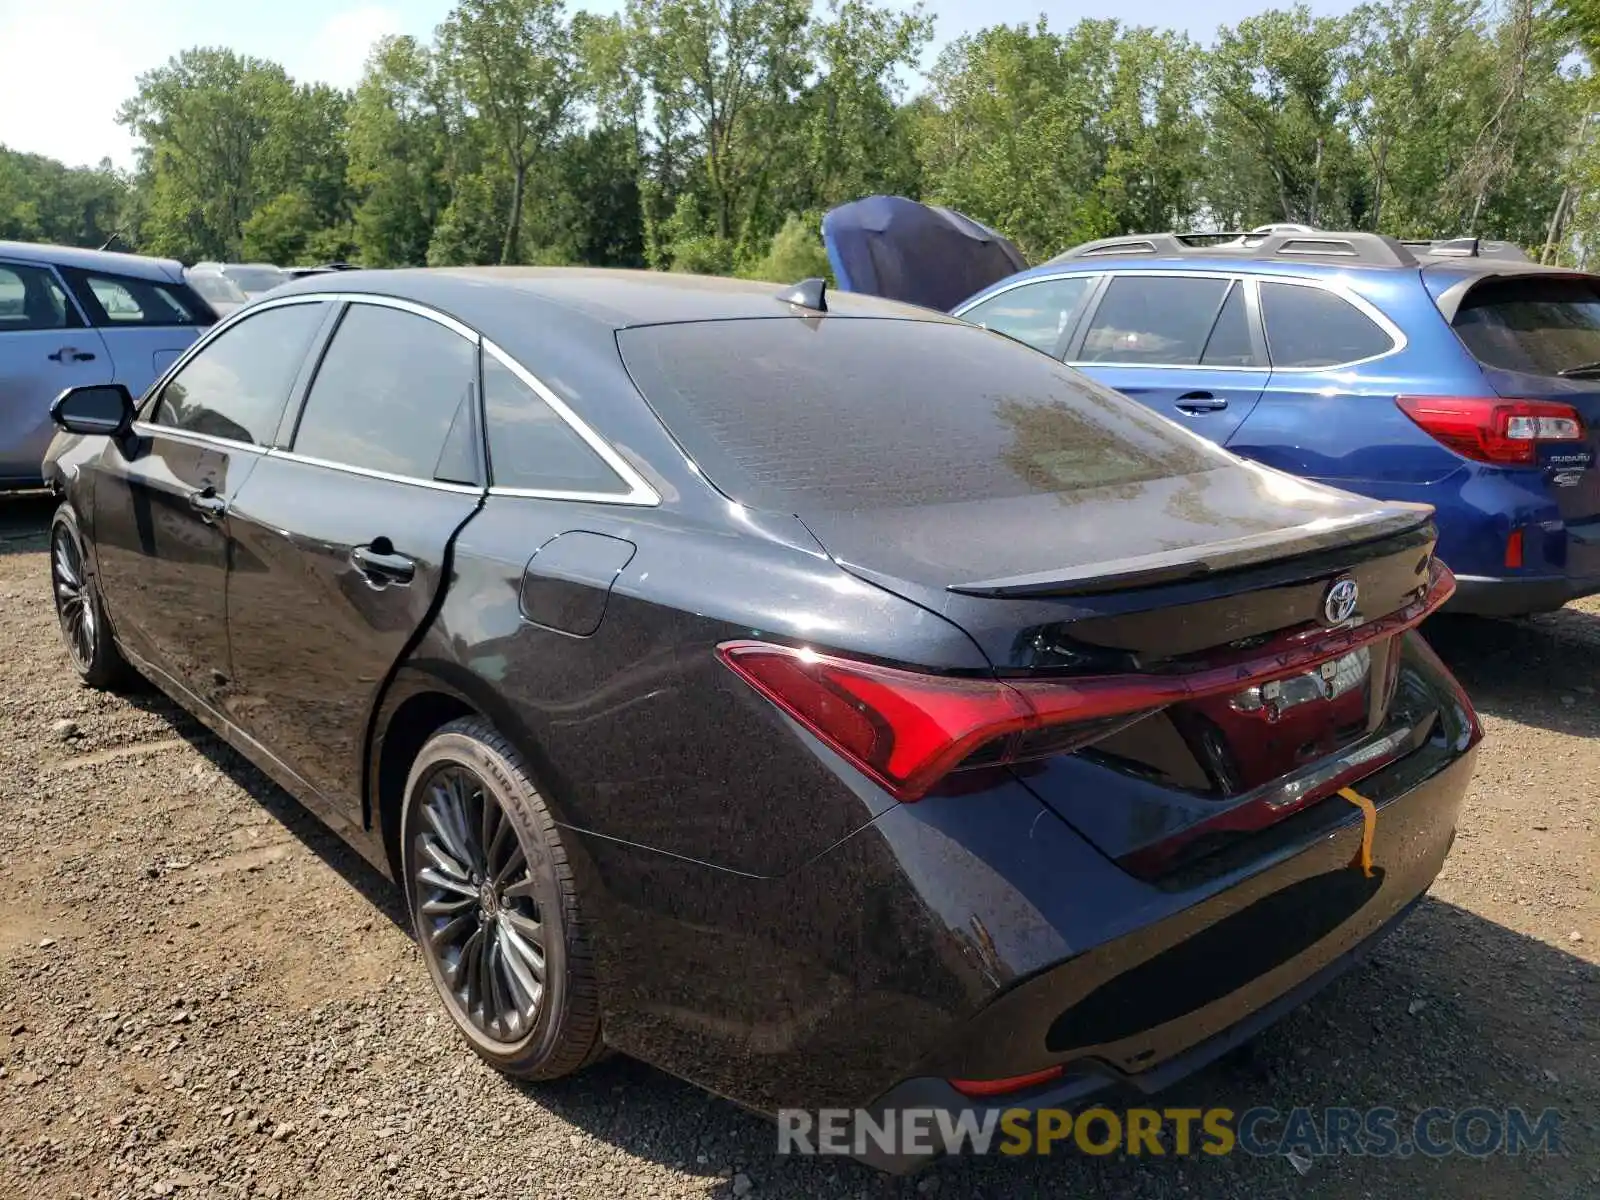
<point>202,993</point>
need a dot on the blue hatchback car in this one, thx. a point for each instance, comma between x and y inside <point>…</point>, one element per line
<point>1456,374</point>
<point>70,317</point>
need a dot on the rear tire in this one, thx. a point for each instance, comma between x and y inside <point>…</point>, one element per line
<point>79,612</point>
<point>494,906</point>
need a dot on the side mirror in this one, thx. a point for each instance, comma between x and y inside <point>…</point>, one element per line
<point>105,409</point>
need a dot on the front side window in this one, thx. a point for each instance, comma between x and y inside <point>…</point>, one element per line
<point>1035,313</point>
<point>30,298</point>
<point>388,392</point>
<point>118,300</point>
<point>1312,327</point>
<point>236,385</point>
<point>1158,319</point>
<point>530,446</point>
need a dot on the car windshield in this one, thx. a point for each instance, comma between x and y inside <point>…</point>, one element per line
<point>255,280</point>
<point>1537,325</point>
<point>865,414</point>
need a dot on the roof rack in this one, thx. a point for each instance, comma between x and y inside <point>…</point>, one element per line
<point>1364,249</point>
<point>1469,247</point>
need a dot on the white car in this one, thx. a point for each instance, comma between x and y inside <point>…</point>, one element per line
<point>70,317</point>
<point>252,278</point>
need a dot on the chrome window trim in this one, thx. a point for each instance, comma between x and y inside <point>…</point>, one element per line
<point>204,340</point>
<point>1397,337</point>
<point>148,429</point>
<point>438,485</point>
<point>639,491</point>
<point>239,315</point>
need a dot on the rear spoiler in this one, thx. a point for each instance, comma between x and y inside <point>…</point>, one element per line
<point>1449,288</point>
<point>1199,562</point>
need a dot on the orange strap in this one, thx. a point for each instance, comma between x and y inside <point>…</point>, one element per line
<point>1369,822</point>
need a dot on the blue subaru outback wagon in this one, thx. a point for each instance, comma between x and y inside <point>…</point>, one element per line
<point>1456,374</point>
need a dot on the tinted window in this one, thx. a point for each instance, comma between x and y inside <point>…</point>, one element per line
<point>1229,344</point>
<point>1036,313</point>
<point>122,300</point>
<point>1153,319</point>
<point>1309,327</point>
<point>30,298</point>
<point>237,385</point>
<point>880,414</point>
<point>1539,326</point>
<point>530,446</point>
<point>387,392</point>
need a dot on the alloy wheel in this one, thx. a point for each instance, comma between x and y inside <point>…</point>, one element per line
<point>74,603</point>
<point>476,906</point>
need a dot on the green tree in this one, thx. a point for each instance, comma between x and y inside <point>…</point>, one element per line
<point>277,231</point>
<point>222,135</point>
<point>1058,138</point>
<point>397,154</point>
<point>1279,149</point>
<point>721,77</point>
<point>512,62</point>
<point>42,200</point>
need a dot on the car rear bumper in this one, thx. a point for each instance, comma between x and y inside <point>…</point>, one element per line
<point>1092,1076</point>
<point>1482,596</point>
<point>1162,1000</point>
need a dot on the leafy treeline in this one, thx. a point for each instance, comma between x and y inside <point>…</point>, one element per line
<point>709,135</point>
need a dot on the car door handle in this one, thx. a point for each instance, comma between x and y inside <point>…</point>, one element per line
<point>208,504</point>
<point>70,354</point>
<point>1199,402</point>
<point>381,565</point>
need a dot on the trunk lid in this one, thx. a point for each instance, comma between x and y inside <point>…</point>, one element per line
<point>1274,605</point>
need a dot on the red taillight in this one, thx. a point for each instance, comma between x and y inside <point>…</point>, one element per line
<point>908,730</point>
<point>1493,430</point>
<point>975,1089</point>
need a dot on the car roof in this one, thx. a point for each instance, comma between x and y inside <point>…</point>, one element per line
<point>136,266</point>
<point>498,301</point>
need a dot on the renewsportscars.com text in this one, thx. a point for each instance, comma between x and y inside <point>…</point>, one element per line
<point>1311,1132</point>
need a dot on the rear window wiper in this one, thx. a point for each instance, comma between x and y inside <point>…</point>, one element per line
<point>1588,368</point>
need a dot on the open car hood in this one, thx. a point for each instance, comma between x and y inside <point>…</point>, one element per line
<point>896,248</point>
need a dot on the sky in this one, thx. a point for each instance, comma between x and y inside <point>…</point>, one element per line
<point>66,65</point>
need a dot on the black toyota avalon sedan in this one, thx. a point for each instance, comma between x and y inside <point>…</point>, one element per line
<point>827,701</point>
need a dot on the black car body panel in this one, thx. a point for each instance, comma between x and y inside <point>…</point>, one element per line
<point>769,917</point>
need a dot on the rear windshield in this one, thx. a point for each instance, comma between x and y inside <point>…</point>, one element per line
<point>1537,326</point>
<point>847,414</point>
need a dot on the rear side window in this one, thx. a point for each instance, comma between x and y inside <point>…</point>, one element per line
<point>1538,326</point>
<point>236,386</point>
<point>866,414</point>
<point>1230,344</point>
<point>530,446</point>
<point>1035,313</point>
<point>388,393</point>
<point>117,300</point>
<point>1163,319</point>
<point>30,298</point>
<point>1311,327</point>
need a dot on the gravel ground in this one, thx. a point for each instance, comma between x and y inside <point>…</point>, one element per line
<point>202,993</point>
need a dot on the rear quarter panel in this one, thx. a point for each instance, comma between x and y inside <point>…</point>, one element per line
<point>638,731</point>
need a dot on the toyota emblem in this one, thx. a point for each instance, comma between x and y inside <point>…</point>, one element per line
<point>1339,605</point>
